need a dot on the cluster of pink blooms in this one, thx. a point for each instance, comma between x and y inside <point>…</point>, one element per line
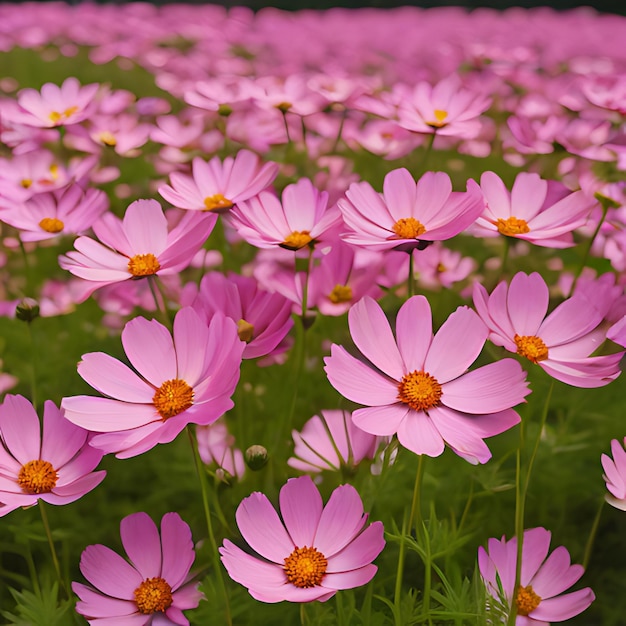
<point>328,244</point>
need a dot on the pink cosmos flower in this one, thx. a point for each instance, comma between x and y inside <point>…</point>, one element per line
<point>187,378</point>
<point>559,343</point>
<point>309,554</point>
<point>215,186</point>
<point>216,447</point>
<point>263,319</point>
<point>142,244</point>
<point>539,600</point>
<point>407,214</point>
<point>152,588</point>
<point>531,211</point>
<point>417,385</point>
<point>331,442</point>
<point>56,466</point>
<point>67,211</point>
<point>301,218</point>
<point>56,106</point>
<point>615,475</point>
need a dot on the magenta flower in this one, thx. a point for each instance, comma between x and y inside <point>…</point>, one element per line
<point>187,378</point>
<point>417,385</point>
<point>153,589</point>
<point>142,244</point>
<point>531,211</point>
<point>407,214</point>
<point>309,554</point>
<point>559,343</point>
<point>331,442</point>
<point>615,475</point>
<point>215,186</point>
<point>56,466</point>
<point>216,447</point>
<point>539,599</point>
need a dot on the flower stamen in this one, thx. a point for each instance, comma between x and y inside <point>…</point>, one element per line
<point>526,600</point>
<point>143,265</point>
<point>305,567</point>
<point>173,397</point>
<point>296,240</point>
<point>51,225</point>
<point>512,226</point>
<point>37,477</point>
<point>408,228</point>
<point>440,117</point>
<point>531,347</point>
<point>153,595</point>
<point>340,294</point>
<point>217,203</point>
<point>419,390</point>
<point>245,330</point>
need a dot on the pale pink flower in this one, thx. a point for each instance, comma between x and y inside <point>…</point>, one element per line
<point>56,466</point>
<point>407,214</point>
<point>418,386</point>
<point>152,588</point>
<point>615,475</point>
<point>299,219</point>
<point>140,245</point>
<point>182,379</point>
<point>331,442</point>
<point>617,332</point>
<point>309,554</point>
<point>68,211</point>
<point>539,599</point>
<point>216,447</point>
<point>561,342</point>
<point>217,186</point>
<point>56,106</point>
<point>531,211</point>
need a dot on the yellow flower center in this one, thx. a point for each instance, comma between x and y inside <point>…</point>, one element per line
<point>107,138</point>
<point>217,203</point>
<point>440,117</point>
<point>245,330</point>
<point>526,600</point>
<point>408,228</point>
<point>533,348</point>
<point>419,390</point>
<point>305,567</point>
<point>296,240</point>
<point>51,225</point>
<point>55,117</point>
<point>340,293</point>
<point>154,594</point>
<point>283,106</point>
<point>173,397</point>
<point>26,182</point>
<point>143,265</point>
<point>37,477</point>
<point>512,226</point>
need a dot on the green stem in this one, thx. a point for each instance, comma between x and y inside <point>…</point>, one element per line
<point>605,208</point>
<point>207,513</point>
<point>416,504</point>
<point>411,277</point>
<point>53,552</point>
<point>344,114</point>
<point>429,147</point>
<point>32,570</point>
<point>505,255</point>
<point>592,535</point>
<point>159,301</point>
<point>397,602</point>
<point>33,368</point>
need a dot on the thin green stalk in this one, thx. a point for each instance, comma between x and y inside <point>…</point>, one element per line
<point>207,513</point>
<point>411,277</point>
<point>33,367</point>
<point>344,114</point>
<point>397,596</point>
<point>427,576</point>
<point>416,504</point>
<point>429,147</point>
<point>53,552</point>
<point>159,301</point>
<point>32,570</point>
<point>505,255</point>
<point>592,534</point>
<point>303,618</point>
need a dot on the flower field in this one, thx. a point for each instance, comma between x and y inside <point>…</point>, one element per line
<point>311,318</point>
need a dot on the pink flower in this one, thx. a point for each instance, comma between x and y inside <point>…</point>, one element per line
<point>215,186</point>
<point>417,385</point>
<point>331,442</point>
<point>407,214</point>
<point>187,378</point>
<point>311,553</point>
<point>216,447</point>
<point>301,218</point>
<point>615,475</point>
<point>539,599</point>
<point>559,343</point>
<point>531,211</point>
<point>153,588</point>
<point>56,466</point>
<point>142,244</point>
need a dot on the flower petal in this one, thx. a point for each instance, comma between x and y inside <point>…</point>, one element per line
<point>301,506</point>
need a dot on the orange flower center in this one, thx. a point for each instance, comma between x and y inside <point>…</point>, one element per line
<point>305,567</point>
<point>533,348</point>
<point>340,293</point>
<point>408,228</point>
<point>55,117</point>
<point>526,600</point>
<point>154,594</point>
<point>440,117</point>
<point>173,397</point>
<point>51,225</point>
<point>143,265</point>
<point>296,240</point>
<point>26,182</point>
<point>37,477</point>
<point>217,203</point>
<point>107,138</point>
<point>512,226</point>
<point>245,330</point>
<point>419,390</point>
